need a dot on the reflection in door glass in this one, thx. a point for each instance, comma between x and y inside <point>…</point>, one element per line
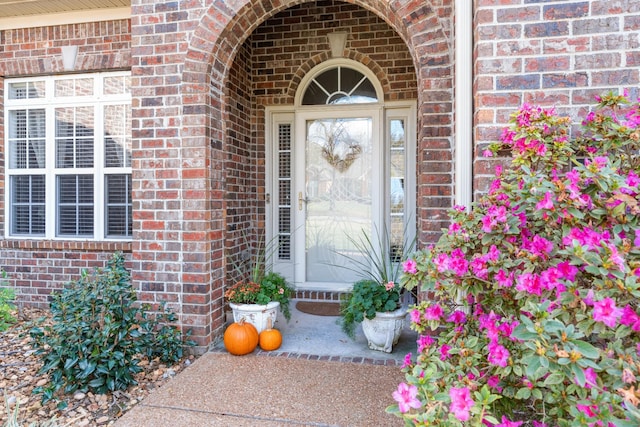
<point>338,195</point>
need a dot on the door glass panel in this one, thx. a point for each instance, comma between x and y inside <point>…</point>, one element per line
<point>397,177</point>
<point>338,187</point>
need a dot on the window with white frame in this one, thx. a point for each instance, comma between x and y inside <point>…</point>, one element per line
<point>68,150</point>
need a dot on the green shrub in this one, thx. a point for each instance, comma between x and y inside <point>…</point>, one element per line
<point>7,295</point>
<point>99,333</point>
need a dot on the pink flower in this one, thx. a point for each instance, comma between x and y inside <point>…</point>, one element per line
<point>389,286</point>
<point>415,316</point>
<point>630,318</point>
<point>507,423</point>
<point>546,202</point>
<point>461,403</point>
<point>494,382</point>
<point>281,291</point>
<point>605,311</point>
<point>410,267</point>
<point>498,355</point>
<point>457,317</point>
<point>458,263</point>
<point>441,261</point>
<point>591,377</point>
<point>433,312</point>
<point>567,270</point>
<point>454,228</point>
<point>589,410</point>
<point>504,280</point>
<point>444,352</point>
<point>407,361</point>
<point>588,299</point>
<point>406,396</point>
<point>530,283</point>
<point>424,341</point>
<point>541,246</point>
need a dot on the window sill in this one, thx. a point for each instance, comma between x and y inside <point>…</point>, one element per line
<point>84,245</point>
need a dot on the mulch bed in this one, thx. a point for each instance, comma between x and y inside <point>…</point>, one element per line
<point>19,376</point>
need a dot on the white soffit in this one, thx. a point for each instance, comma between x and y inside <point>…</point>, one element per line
<point>39,13</point>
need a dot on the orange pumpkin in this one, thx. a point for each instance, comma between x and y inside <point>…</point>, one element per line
<point>270,339</point>
<point>240,338</point>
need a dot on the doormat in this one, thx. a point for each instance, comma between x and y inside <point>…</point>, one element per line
<point>319,308</point>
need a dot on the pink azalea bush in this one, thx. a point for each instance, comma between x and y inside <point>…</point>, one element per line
<point>533,313</point>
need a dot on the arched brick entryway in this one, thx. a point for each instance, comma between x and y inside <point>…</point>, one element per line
<point>205,137</point>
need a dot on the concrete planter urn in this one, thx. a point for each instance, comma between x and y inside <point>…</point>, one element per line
<point>383,331</point>
<point>256,314</point>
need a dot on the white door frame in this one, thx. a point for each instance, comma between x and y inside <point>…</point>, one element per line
<point>276,116</point>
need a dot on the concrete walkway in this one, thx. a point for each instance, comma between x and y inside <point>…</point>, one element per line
<point>319,377</point>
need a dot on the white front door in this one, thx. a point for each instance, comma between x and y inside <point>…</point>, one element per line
<point>340,168</point>
<point>334,174</point>
<point>338,187</point>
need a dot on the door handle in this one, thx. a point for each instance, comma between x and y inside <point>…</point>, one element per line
<point>301,200</point>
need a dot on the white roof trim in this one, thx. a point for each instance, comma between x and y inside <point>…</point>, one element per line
<point>65,18</point>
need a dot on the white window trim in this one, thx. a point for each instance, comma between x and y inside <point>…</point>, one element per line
<point>49,104</point>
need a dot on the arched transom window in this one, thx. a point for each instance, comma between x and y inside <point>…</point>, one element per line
<point>339,85</point>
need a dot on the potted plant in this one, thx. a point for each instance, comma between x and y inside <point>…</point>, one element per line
<point>258,301</point>
<point>377,300</point>
<point>258,298</point>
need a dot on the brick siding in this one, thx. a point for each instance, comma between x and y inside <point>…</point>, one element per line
<point>550,53</point>
<point>217,168</point>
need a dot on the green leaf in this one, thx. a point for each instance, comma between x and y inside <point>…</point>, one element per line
<point>586,349</point>
<point>523,394</point>
<point>554,379</point>
<point>624,423</point>
<point>532,368</point>
<point>96,382</point>
<point>579,375</point>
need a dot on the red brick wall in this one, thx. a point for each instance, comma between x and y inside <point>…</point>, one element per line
<point>559,54</point>
<point>242,168</point>
<point>193,89</point>
<point>38,267</point>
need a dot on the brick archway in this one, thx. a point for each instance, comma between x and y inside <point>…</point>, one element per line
<point>210,57</point>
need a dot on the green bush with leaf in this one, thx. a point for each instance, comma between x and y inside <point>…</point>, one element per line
<point>99,333</point>
<point>536,316</point>
<point>7,296</point>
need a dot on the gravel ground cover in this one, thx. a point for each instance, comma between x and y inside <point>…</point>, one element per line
<point>19,368</point>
